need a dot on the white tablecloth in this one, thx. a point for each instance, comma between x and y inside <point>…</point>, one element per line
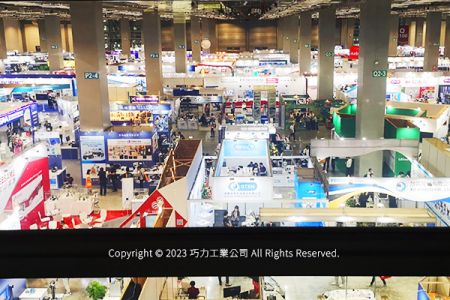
<point>356,294</point>
<point>68,206</point>
<point>33,294</point>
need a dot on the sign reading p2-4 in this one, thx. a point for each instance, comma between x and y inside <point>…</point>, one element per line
<point>91,75</point>
<point>379,73</point>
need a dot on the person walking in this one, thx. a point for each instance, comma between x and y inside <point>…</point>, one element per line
<point>103,180</point>
<point>292,129</point>
<point>383,279</point>
<point>141,176</point>
<point>348,167</point>
<point>227,280</point>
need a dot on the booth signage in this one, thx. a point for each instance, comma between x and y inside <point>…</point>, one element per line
<point>13,115</point>
<point>307,46</point>
<point>181,46</point>
<point>144,99</point>
<point>54,47</point>
<point>329,53</point>
<point>379,73</point>
<point>154,55</point>
<point>403,35</point>
<point>354,53</point>
<point>414,189</point>
<point>91,75</point>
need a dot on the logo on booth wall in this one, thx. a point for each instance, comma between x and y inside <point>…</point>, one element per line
<point>242,186</point>
<point>244,147</point>
<point>158,203</point>
<point>401,186</point>
<point>395,81</point>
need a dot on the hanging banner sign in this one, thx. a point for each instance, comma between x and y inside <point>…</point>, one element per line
<point>354,53</point>
<point>414,189</point>
<point>144,99</point>
<point>403,35</point>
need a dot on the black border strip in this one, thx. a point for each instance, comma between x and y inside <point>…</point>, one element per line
<point>362,251</point>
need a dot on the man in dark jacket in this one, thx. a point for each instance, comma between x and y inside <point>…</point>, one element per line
<point>103,179</point>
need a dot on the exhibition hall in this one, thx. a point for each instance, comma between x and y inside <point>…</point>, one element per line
<point>131,115</point>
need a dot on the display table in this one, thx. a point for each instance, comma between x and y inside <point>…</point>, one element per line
<point>69,206</point>
<point>283,176</point>
<point>69,152</point>
<point>182,124</point>
<point>192,125</point>
<point>57,178</point>
<point>349,294</point>
<point>34,294</point>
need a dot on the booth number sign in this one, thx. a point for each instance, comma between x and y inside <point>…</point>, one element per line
<point>91,75</point>
<point>379,73</point>
<point>307,46</point>
<point>154,55</point>
<point>329,53</point>
<point>181,46</point>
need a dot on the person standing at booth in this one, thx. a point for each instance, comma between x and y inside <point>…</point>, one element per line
<point>88,181</point>
<point>103,180</point>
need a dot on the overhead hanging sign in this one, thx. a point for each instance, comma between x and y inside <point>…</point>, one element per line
<point>354,53</point>
<point>144,99</point>
<point>413,189</point>
<point>403,35</point>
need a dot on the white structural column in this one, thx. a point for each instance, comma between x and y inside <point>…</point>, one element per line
<point>372,72</point>
<point>432,35</point>
<point>54,43</point>
<point>42,35</point>
<point>89,49</point>
<point>285,35</point>
<point>125,37</point>
<point>213,36</point>
<point>419,33</point>
<point>393,34</point>
<point>179,33</point>
<point>195,39</point>
<point>152,48</point>
<point>327,31</point>
<point>292,27</point>
<point>447,37</point>
<point>304,43</point>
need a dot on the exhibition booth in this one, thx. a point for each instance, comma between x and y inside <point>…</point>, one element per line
<point>18,121</point>
<point>196,112</point>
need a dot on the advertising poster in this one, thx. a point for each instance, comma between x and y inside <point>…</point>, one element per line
<point>129,146</point>
<point>141,114</point>
<point>92,147</point>
<point>403,35</point>
<point>23,185</point>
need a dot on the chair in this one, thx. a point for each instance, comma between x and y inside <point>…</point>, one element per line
<point>85,219</point>
<point>73,224</point>
<point>52,225</point>
<point>43,219</point>
<point>103,215</point>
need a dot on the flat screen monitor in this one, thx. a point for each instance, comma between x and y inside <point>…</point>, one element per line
<point>233,291</point>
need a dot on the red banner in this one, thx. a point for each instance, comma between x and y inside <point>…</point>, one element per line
<point>403,35</point>
<point>354,53</point>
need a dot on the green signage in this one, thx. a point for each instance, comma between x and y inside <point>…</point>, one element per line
<point>329,53</point>
<point>307,46</point>
<point>181,46</point>
<point>91,75</point>
<point>379,73</point>
<point>154,55</point>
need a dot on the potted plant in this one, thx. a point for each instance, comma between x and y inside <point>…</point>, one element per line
<point>96,290</point>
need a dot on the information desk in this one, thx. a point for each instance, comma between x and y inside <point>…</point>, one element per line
<point>68,152</point>
<point>34,294</point>
<point>57,178</point>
